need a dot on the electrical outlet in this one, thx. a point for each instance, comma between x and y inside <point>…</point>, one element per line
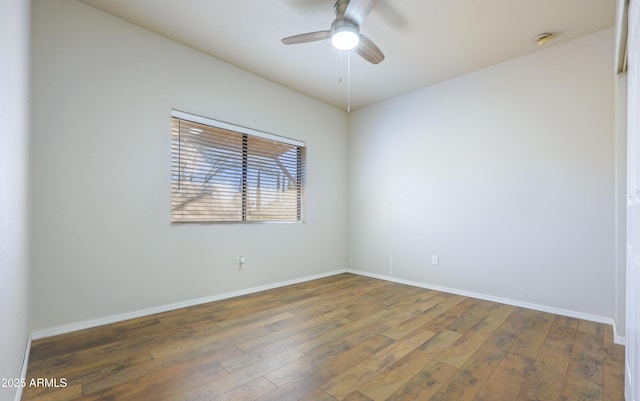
<point>435,260</point>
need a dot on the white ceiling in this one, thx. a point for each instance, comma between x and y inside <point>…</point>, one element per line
<point>424,41</point>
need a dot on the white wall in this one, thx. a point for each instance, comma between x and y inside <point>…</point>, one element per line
<point>102,241</point>
<point>506,173</point>
<point>15,307</point>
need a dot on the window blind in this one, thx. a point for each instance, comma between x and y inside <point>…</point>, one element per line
<point>222,175</point>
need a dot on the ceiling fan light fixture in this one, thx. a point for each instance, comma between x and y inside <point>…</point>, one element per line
<point>344,36</point>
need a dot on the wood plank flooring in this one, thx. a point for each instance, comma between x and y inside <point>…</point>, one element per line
<point>344,337</point>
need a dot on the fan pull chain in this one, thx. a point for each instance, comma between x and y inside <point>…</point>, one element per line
<point>349,82</point>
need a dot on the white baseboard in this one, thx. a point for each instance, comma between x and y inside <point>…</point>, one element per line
<point>506,301</point>
<point>49,332</point>
<point>23,372</point>
<point>54,331</point>
<point>621,340</point>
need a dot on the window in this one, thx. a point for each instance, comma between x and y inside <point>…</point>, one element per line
<point>225,173</point>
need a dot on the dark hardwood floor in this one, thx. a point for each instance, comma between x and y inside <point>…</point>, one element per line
<point>344,337</point>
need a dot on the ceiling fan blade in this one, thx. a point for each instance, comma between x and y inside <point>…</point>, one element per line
<point>307,37</point>
<point>357,10</point>
<point>369,51</point>
<point>390,15</point>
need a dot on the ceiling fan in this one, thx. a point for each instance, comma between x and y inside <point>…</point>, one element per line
<point>345,30</point>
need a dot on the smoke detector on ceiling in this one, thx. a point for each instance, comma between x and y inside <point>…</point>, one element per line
<point>544,38</point>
